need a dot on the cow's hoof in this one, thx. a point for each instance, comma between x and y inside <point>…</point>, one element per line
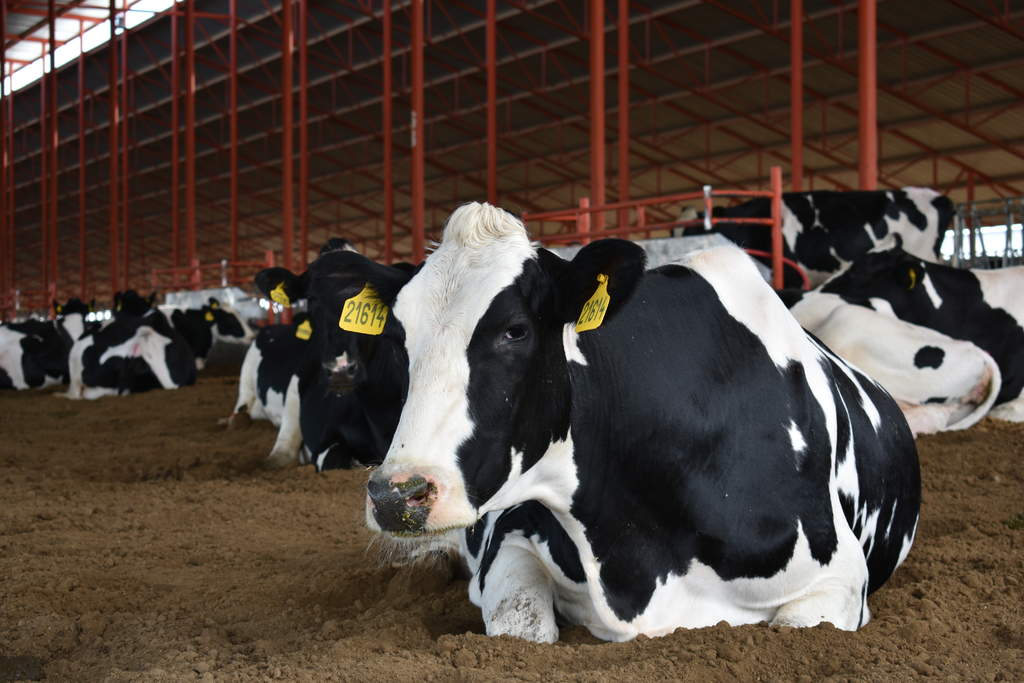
<point>278,460</point>
<point>239,421</point>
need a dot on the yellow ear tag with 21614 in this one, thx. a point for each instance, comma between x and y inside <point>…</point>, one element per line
<point>593,311</point>
<point>364,313</point>
<point>278,295</point>
<point>304,331</point>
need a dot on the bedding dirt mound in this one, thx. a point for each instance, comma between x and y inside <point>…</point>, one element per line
<point>140,541</point>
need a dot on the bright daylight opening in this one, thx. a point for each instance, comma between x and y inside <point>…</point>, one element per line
<point>92,38</point>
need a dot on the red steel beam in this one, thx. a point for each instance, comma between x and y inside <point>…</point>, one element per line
<point>389,190</point>
<point>190,137</point>
<point>597,167</point>
<point>623,85</point>
<point>51,112</point>
<point>175,152</point>
<point>492,103</point>
<point>5,244</point>
<point>418,143</point>
<point>868,95</point>
<point>233,105</point>
<point>114,121</point>
<point>796,94</point>
<point>303,136</point>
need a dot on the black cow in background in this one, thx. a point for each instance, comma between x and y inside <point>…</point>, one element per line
<point>203,327</point>
<point>34,353</point>
<point>342,399</point>
<point>824,231</point>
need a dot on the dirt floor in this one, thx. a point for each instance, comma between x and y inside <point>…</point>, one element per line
<point>140,541</point>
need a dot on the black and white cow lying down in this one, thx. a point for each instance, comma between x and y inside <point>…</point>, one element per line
<point>633,451</point>
<point>137,350</point>
<point>824,231</point>
<point>940,383</point>
<point>205,326</point>
<point>984,307</point>
<point>34,353</point>
<point>335,395</point>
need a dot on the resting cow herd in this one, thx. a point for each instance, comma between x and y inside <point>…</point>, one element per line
<point>600,444</point>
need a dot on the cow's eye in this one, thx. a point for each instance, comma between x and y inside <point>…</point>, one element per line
<point>515,333</point>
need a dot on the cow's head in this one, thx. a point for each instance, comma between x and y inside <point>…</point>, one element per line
<point>489,326</point>
<point>341,287</point>
<point>226,323</point>
<point>132,303</point>
<point>891,275</point>
<point>74,305</point>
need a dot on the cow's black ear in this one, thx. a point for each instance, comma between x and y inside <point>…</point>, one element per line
<point>598,281</point>
<point>92,306</point>
<point>214,303</point>
<point>341,274</point>
<point>57,308</point>
<point>281,285</point>
<point>152,298</point>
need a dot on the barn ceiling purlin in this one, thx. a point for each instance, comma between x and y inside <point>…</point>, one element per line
<point>709,101</point>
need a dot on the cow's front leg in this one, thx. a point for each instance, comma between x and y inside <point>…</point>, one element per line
<point>517,598</point>
<point>1012,411</point>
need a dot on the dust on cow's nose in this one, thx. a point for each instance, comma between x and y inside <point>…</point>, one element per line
<point>401,506</point>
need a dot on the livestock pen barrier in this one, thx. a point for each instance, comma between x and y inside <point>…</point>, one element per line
<point>589,221</point>
<point>217,274</point>
<point>987,234</point>
<point>23,302</point>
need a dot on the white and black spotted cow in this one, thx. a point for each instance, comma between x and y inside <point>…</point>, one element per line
<point>824,231</point>
<point>940,383</point>
<point>137,350</point>
<point>635,451</point>
<point>984,307</point>
<point>34,353</point>
<point>203,327</point>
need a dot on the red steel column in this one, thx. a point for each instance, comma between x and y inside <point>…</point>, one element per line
<point>126,262</point>
<point>82,262</point>
<point>796,94</point>
<point>44,193</point>
<point>5,246</point>
<point>597,111</point>
<point>233,105</point>
<point>623,83</point>
<point>417,143</point>
<point>175,152</point>
<point>50,84</point>
<point>777,274</point>
<point>492,106</point>
<point>303,137</point>
<point>113,123</point>
<point>190,139</point>
<point>868,90</point>
<point>389,188</point>
<point>287,205</point>
<point>12,241</point>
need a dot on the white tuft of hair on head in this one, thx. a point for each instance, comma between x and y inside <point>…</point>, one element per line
<point>478,224</point>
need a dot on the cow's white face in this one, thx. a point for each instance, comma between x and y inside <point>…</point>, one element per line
<point>483,252</point>
<point>484,325</point>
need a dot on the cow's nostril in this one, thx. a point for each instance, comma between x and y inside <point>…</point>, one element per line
<point>401,506</point>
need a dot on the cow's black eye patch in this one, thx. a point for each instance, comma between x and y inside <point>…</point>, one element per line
<point>515,332</point>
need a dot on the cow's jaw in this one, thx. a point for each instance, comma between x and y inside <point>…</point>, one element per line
<point>483,252</point>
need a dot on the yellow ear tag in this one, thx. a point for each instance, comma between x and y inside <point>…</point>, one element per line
<point>215,305</point>
<point>593,311</point>
<point>304,331</point>
<point>364,313</point>
<point>60,309</point>
<point>208,317</point>
<point>913,279</point>
<point>278,295</point>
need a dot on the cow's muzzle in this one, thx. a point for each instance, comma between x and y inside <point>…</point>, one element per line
<point>401,507</point>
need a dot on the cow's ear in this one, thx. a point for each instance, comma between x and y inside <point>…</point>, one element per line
<point>152,298</point>
<point>57,308</point>
<point>214,304</point>
<point>92,306</point>
<point>281,285</point>
<point>914,275</point>
<point>343,274</point>
<point>598,281</point>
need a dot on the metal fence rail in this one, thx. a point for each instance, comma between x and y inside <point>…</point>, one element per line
<point>969,247</point>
